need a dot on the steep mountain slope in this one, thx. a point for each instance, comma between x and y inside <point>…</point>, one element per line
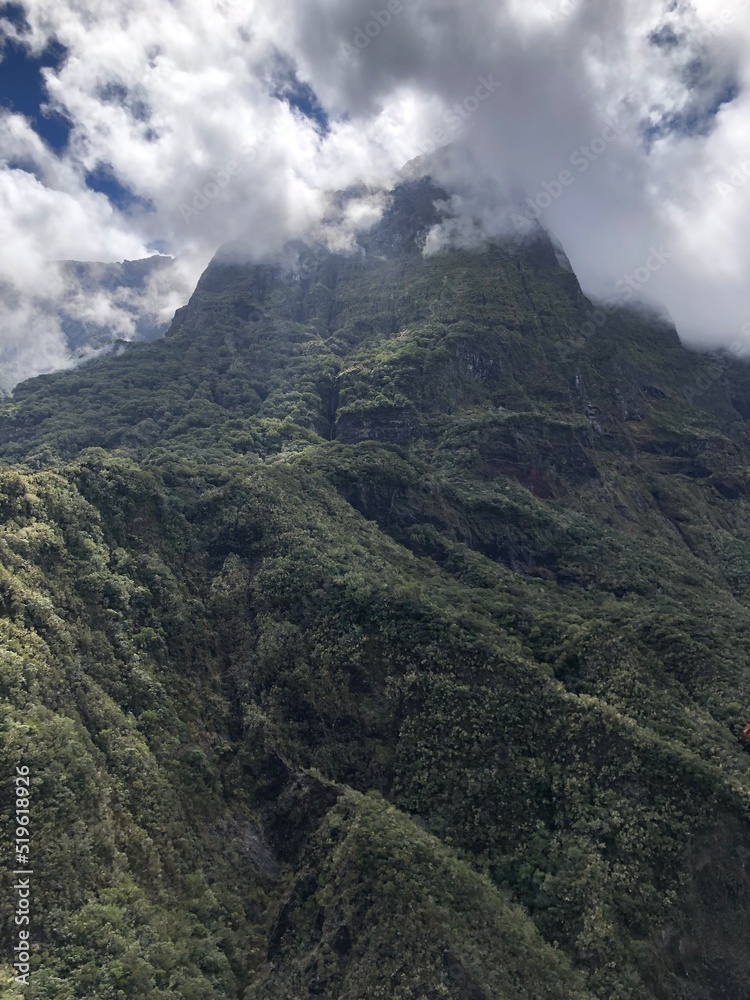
<point>380,633</point>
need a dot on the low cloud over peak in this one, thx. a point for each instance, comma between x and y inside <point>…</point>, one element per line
<point>624,127</point>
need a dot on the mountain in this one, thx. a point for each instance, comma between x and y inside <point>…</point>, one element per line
<point>383,631</point>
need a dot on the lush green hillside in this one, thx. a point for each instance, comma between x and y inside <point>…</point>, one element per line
<point>381,634</point>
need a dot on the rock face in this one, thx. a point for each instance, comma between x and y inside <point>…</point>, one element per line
<point>384,632</point>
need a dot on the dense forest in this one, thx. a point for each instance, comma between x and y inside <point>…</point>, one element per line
<point>382,632</point>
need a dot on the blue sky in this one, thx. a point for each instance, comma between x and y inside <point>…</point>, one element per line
<point>22,87</point>
<point>23,90</point>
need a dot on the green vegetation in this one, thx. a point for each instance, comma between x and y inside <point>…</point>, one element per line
<point>378,634</point>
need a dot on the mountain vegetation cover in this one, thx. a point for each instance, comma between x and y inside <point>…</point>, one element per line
<point>382,633</point>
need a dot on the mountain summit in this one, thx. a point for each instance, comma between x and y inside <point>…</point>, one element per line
<point>383,632</point>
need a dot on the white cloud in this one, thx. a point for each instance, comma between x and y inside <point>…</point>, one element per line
<point>176,100</point>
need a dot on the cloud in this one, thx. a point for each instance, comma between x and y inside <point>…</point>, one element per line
<point>643,107</point>
<point>32,341</point>
<point>223,120</point>
<point>78,311</point>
